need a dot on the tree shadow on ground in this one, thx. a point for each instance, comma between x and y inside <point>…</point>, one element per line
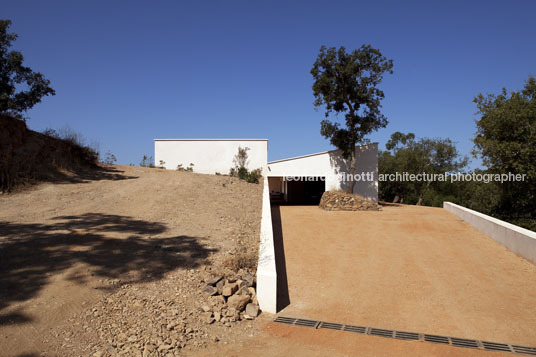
<point>20,181</point>
<point>112,246</point>
<point>89,174</point>
<point>283,297</point>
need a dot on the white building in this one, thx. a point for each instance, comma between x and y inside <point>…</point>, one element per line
<point>298,180</point>
<point>209,156</point>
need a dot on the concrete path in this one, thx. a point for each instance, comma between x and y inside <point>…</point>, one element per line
<point>407,268</point>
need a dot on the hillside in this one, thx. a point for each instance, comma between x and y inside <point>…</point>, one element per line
<point>28,157</point>
<point>137,243</point>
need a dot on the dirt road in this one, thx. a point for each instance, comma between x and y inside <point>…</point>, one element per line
<point>63,247</point>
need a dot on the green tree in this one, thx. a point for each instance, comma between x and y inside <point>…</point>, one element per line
<point>347,83</point>
<point>20,87</point>
<point>429,156</point>
<point>506,142</point>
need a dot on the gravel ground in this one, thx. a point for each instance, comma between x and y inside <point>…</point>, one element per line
<point>117,264</point>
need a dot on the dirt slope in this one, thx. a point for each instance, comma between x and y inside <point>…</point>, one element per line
<point>28,157</point>
<point>134,232</point>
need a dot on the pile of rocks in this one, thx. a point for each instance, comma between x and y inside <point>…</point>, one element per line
<point>342,201</point>
<point>230,299</point>
<point>172,316</point>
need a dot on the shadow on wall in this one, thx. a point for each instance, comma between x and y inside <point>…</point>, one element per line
<point>283,298</point>
<point>364,163</point>
<point>31,253</point>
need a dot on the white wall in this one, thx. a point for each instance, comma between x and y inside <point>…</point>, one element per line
<point>329,165</point>
<point>266,268</point>
<point>209,156</point>
<point>519,240</point>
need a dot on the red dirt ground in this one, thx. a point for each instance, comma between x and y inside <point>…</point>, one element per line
<point>408,268</point>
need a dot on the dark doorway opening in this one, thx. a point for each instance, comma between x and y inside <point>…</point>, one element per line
<point>305,190</point>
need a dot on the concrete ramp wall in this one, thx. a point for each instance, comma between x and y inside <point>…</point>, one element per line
<point>519,240</point>
<point>266,268</point>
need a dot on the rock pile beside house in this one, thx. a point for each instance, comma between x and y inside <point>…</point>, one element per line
<point>342,201</point>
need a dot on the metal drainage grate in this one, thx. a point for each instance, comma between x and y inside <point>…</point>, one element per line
<point>285,320</point>
<point>412,336</point>
<point>436,339</point>
<point>307,323</point>
<point>525,350</point>
<point>330,326</point>
<point>380,332</point>
<point>462,342</point>
<point>492,346</point>
<point>401,335</point>
<point>355,329</point>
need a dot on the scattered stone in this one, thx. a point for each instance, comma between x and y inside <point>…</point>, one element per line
<point>231,312</point>
<point>214,280</point>
<point>229,289</point>
<point>218,300</point>
<point>219,286</point>
<point>252,310</point>
<point>249,279</point>
<point>238,301</point>
<point>164,347</point>
<point>243,291</point>
<point>211,290</point>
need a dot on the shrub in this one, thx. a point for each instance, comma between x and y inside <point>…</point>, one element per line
<point>147,161</point>
<point>240,170</point>
<point>51,132</point>
<point>88,153</point>
<point>254,176</point>
<point>242,260</point>
<point>190,167</point>
<point>110,158</point>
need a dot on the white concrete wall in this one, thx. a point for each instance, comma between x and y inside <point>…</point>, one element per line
<point>519,240</point>
<point>266,268</point>
<point>209,156</point>
<point>329,165</point>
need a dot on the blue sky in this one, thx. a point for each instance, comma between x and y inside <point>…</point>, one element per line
<point>126,72</point>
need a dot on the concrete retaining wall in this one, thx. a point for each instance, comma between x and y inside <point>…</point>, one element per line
<point>519,240</point>
<point>266,269</point>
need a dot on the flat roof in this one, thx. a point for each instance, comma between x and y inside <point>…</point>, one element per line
<point>315,154</point>
<point>210,139</point>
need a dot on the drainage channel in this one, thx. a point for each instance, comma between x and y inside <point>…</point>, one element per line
<point>411,336</point>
